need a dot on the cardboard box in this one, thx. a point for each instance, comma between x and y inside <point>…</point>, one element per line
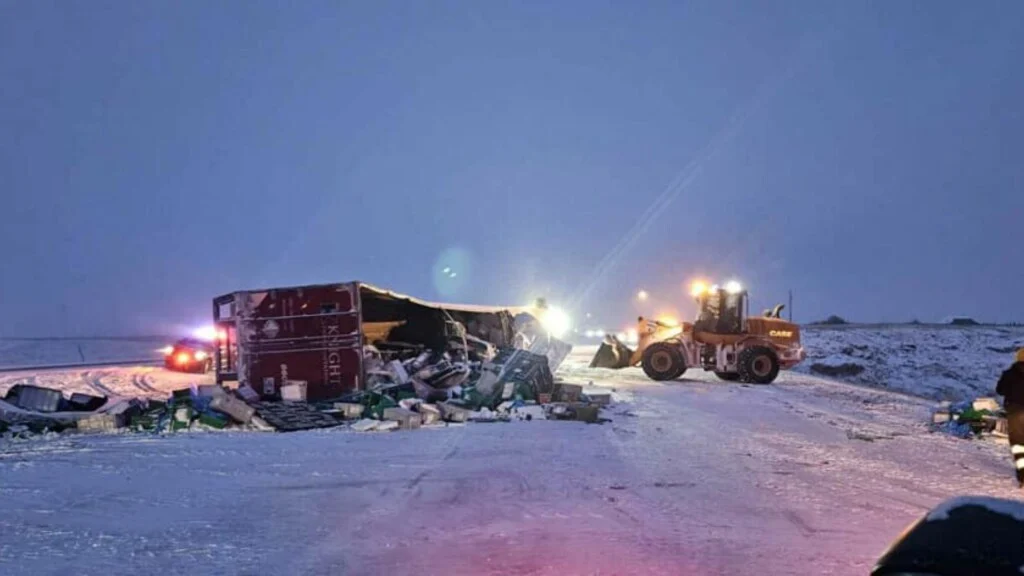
<point>453,413</point>
<point>429,413</point>
<point>350,410</point>
<point>238,410</point>
<point>567,392</point>
<point>102,423</point>
<point>294,391</point>
<point>406,419</point>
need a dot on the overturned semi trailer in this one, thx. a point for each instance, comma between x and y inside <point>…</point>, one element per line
<point>318,334</point>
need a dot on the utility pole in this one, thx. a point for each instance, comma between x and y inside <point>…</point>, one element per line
<point>791,305</point>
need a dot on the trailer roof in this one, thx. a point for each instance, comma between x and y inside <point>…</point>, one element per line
<point>476,308</point>
<point>445,305</point>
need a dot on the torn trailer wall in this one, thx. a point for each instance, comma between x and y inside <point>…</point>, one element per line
<point>391,318</point>
<point>321,335</point>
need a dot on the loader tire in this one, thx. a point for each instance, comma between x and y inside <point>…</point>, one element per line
<point>663,361</point>
<point>758,365</point>
<point>728,376</point>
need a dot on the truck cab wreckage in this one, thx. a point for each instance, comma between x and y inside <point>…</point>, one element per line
<point>724,339</point>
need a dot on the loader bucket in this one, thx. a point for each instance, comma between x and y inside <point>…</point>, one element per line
<point>612,354</point>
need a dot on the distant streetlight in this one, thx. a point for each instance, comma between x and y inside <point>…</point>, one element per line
<point>642,295</point>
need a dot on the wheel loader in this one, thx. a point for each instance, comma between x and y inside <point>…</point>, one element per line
<point>724,339</point>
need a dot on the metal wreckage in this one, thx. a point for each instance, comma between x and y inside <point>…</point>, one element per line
<point>326,355</point>
<point>384,356</point>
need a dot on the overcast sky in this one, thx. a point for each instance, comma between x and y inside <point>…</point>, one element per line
<point>868,156</point>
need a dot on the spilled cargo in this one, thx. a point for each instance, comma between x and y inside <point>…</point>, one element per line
<point>341,338</point>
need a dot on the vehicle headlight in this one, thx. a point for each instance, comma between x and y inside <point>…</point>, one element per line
<point>208,333</point>
<point>200,355</point>
<point>556,321</point>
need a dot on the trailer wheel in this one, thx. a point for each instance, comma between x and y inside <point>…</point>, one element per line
<point>728,376</point>
<point>758,365</point>
<point>663,361</point>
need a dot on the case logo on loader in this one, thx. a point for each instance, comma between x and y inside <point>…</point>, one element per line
<point>781,333</point>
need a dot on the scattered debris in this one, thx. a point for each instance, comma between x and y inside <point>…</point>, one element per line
<point>294,416</point>
<point>989,404</point>
<point>387,426</point>
<point>969,419</point>
<point>248,394</point>
<point>484,415</point>
<point>529,412</point>
<point>349,410</point>
<point>580,411</point>
<point>429,413</point>
<point>438,367</point>
<point>213,421</point>
<point>567,392</point>
<point>234,407</point>
<point>366,425</point>
<point>102,423</point>
<point>35,398</point>
<point>407,419</point>
<point>85,403</point>
<point>293,392</point>
<point>211,391</point>
<point>453,412</point>
<point>599,397</point>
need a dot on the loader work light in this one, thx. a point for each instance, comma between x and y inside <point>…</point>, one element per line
<point>556,321</point>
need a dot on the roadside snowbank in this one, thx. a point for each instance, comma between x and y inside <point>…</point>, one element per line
<point>937,362</point>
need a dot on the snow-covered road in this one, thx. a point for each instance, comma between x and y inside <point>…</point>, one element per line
<point>691,477</point>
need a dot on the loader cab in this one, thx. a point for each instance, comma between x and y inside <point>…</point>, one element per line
<point>721,311</point>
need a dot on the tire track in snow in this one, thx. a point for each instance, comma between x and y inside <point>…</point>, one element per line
<point>140,382</point>
<point>96,383</point>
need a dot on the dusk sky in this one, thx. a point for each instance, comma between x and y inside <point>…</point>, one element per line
<point>868,156</point>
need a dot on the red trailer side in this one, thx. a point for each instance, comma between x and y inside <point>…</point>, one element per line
<point>307,333</point>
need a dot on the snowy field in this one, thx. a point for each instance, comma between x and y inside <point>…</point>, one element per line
<point>807,476</point>
<point>49,352</point>
<point>139,376</point>
<point>935,362</point>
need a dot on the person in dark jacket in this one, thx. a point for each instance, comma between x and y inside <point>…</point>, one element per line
<point>1011,388</point>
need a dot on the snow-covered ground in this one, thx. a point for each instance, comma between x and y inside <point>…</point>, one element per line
<point>130,380</point>
<point>936,362</point>
<point>122,381</point>
<point>698,476</point>
<point>50,352</point>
